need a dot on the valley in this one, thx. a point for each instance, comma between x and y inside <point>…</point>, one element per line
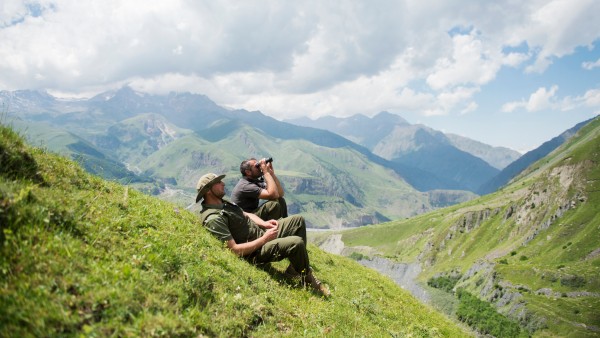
<point>529,249</point>
<point>161,144</point>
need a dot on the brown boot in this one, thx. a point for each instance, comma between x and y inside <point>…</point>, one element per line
<point>316,284</point>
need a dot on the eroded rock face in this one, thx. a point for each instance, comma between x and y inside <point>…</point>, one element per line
<point>333,244</point>
<point>404,274</point>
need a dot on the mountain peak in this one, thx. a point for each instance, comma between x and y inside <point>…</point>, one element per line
<point>124,92</point>
<point>387,117</point>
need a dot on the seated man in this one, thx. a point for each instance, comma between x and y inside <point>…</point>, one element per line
<point>250,237</point>
<point>260,182</point>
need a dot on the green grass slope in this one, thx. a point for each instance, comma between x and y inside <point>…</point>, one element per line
<point>532,249</point>
<point>134,139</point>
<point>80,256</point>
<point>65,143</point>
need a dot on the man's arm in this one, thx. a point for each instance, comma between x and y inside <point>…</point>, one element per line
<point>244,249</point>
<point>263,224</point>
<point>272,192</point>
<point>277,183</point>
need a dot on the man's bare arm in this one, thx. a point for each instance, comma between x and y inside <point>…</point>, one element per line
<point>279,186</point>
<point>272,192</point>
<point>263,224</point>
<point>244,249</point>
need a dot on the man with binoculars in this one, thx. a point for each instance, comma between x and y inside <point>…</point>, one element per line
<point>260,182</point>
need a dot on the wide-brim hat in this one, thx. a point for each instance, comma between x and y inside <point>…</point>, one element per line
<point>205,182</point>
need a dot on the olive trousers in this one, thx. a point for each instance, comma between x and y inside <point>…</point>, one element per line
<point>290,243</point>
<point>272,209</point>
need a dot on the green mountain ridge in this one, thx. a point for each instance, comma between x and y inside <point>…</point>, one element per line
<point>138,130</point>
<point>532,249</point>
<point>330,187</point>
<point>92,158</point>
<point>81,256</point>
<point>450,163</point>
<point>138,137</point>
<point>518,166</point>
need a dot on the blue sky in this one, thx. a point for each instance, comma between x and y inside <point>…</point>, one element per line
<point>525,128</point>
<point>506,73</point>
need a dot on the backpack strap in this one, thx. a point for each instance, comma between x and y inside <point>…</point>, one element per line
<point>210,214</point>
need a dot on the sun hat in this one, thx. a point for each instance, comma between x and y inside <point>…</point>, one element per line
<point>205,182</point>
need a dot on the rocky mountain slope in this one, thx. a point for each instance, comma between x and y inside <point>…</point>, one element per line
<point>515,168</point>
<point>531,249</point>
<point>497,157</point>
<point>174,139</point>
<point>455,162</point>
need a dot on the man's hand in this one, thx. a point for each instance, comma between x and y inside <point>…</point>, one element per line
<point>263,165</point>
<point>270,224</point>
<point>270,234</point>
<point>269,167</point>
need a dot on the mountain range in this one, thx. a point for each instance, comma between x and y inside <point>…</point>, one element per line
<point>530,249</point>
<point>522,260</point>
<point>360,171</point>
<point>516,167</point>
<point>450,161</point>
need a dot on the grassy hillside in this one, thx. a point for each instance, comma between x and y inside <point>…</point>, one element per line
<point>80,256</point>
<point>532,249</point>
<point>134,139</point>
<point>126,134</point>
<point>67,144</point>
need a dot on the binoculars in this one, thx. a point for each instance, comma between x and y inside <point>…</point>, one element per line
<point>269,160</point>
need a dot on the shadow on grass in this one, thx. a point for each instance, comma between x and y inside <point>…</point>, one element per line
<point>286,280</point>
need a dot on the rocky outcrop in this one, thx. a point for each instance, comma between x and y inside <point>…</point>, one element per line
<point>333,244</point>
<point>506,297</point>
<point>404,274</point>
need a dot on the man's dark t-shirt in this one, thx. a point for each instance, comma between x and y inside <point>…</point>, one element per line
<point>245,193</point>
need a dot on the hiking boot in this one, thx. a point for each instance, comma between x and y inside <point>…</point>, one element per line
<point>316,284</point>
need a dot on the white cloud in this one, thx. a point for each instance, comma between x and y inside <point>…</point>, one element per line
<point>515,59</point>
<point>557,27</point>
<point>509,107</point>
<point>591,65</point>
<point>290,58</point>
<point>470,63</point>
<point>472,106</point>
<point>539,100</point>
<point>543,99</point>
<point>591,98</point>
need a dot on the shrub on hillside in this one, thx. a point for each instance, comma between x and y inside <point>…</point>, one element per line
<point>484,318</point>
<point>357,256</point>
<point>446,283</point>
<point>572,281</point>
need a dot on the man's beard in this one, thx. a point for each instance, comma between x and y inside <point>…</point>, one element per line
<point>217,194</point>
<point>257,176</point>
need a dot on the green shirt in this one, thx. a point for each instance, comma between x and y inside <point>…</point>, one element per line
<point>227,221</point>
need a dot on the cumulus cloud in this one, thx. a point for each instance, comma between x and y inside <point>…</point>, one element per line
<point>469,63</point>
<point>544,99</point>
<point>294,58</point>
<point>578,26</point>
<point>541,99</point>
<point>591,65</point>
